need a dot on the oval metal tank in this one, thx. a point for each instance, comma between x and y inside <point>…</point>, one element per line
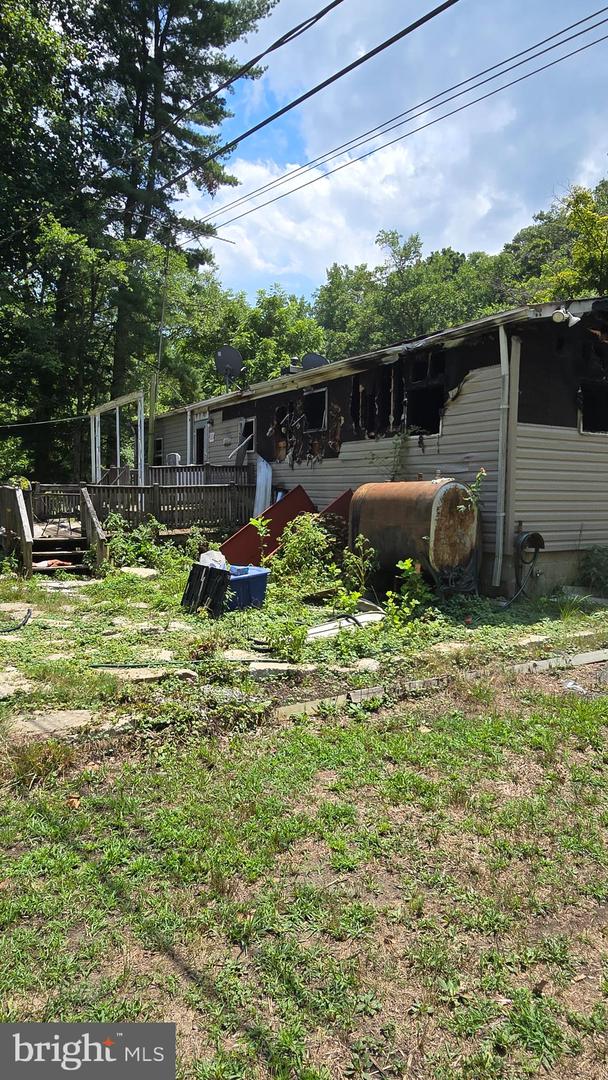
<point>434,522</point>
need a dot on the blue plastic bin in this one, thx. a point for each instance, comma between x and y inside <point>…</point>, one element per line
<point>247,587</point>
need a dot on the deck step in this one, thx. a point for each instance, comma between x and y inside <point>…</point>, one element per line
<point>59,553</point>
<point>52,543</point>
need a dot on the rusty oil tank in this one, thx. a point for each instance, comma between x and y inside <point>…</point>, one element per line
<point>435,522</point>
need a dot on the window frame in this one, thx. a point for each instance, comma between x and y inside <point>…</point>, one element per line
<point>158,439</point>
<point>252,446</point>
<point>324,425</point>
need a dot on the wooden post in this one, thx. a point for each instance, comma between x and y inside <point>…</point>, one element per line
<point>155,501</point>
<point>140,441</point>
<point>117,422</point>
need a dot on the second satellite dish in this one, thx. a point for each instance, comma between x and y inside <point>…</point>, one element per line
<point>228,363</point>
<point>313,360</point>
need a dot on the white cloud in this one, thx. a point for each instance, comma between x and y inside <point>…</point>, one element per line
<point>470,181</point>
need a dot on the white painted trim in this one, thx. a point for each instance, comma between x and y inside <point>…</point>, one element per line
<point>502,456</point>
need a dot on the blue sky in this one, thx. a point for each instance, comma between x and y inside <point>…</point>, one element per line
<point>470,181</point>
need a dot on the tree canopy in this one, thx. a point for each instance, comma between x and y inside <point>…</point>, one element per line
<point>108,114</point>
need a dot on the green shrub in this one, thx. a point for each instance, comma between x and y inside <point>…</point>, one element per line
<point>413,597</point>
<point>594,569</point>
<point>304,559</point>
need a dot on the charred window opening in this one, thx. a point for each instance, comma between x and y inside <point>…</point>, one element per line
<point>315,410</point>
<point>397,398</point>
<point>279,431</point>
<point>383,399</point>
<point>425,409</point>
<point>593,405</point>
<point>355,403</point>
<point>437,365</point>
<point>420,369</point>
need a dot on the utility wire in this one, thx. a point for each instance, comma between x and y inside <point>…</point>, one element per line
<point>38,423</point>
<point>284,39</point>
<point>414,131</point>
<point>411,114</point>
<point>311,93</point>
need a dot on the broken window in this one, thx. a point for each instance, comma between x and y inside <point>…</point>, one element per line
<point>593,406</point>
<point>279,431</point>
<point>248,432</point>
<point>397,397</point>
<point>425,409</point>
<point>355,403</point>
<point>158,451</point>
<point>383,398</point>
<point>437,366</point>
<point>315,409</point>
<point>420,369</point>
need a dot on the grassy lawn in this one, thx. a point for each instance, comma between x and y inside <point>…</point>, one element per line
<point>416,887</point>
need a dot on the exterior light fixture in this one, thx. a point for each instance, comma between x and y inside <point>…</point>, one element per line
<point>561,315</point>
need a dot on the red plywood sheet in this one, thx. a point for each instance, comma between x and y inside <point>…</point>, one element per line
<point>245,547</point>
<point>340,505</point>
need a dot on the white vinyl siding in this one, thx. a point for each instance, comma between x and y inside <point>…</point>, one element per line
<point>561,486</point>
<point>468,441</point>
<point>225,438</point>
<point>172,430</point>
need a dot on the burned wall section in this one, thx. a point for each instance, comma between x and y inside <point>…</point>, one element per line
<point>430,378</point>
<point>564,374</point>
<point>374,401</point>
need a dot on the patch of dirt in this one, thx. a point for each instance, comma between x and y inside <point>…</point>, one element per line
<point>13,682</point>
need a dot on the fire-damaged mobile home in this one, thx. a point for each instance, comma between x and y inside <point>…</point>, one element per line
<point>522,395</point>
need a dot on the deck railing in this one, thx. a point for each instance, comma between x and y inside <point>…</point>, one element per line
<point>90,526</point>
<point>55,501</point>
<point>16,530</point>
<point>177,506</point>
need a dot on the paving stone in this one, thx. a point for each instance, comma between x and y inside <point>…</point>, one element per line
<point>50,722</point>
<point>18,609</point>
<point>11,682</point>
<point>261,669</point>
<point>447,647</point>
<point>143,572</point>
<point>64,586</point>
<point>246,655</point>
<point>533,639</point>
<point>367,663</point>
<point>150,674</point>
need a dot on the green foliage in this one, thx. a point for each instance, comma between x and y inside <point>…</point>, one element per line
<point>141,546</point>
<point>303,560</point>
<point>473,498</point>
<point>413,596</point>
<point>594,569</point>
<point>91,201</point>
<point>28,764</point>
<point>359,564</point>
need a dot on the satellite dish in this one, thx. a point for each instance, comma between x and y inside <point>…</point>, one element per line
<point>228,363</point>
<point>313,360</point>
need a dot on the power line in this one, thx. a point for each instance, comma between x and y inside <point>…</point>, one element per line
<point>411,114</point>
<point>155,136</point>
<point>40,423</point>
<point>311,93</point>
<point>414,131</point>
